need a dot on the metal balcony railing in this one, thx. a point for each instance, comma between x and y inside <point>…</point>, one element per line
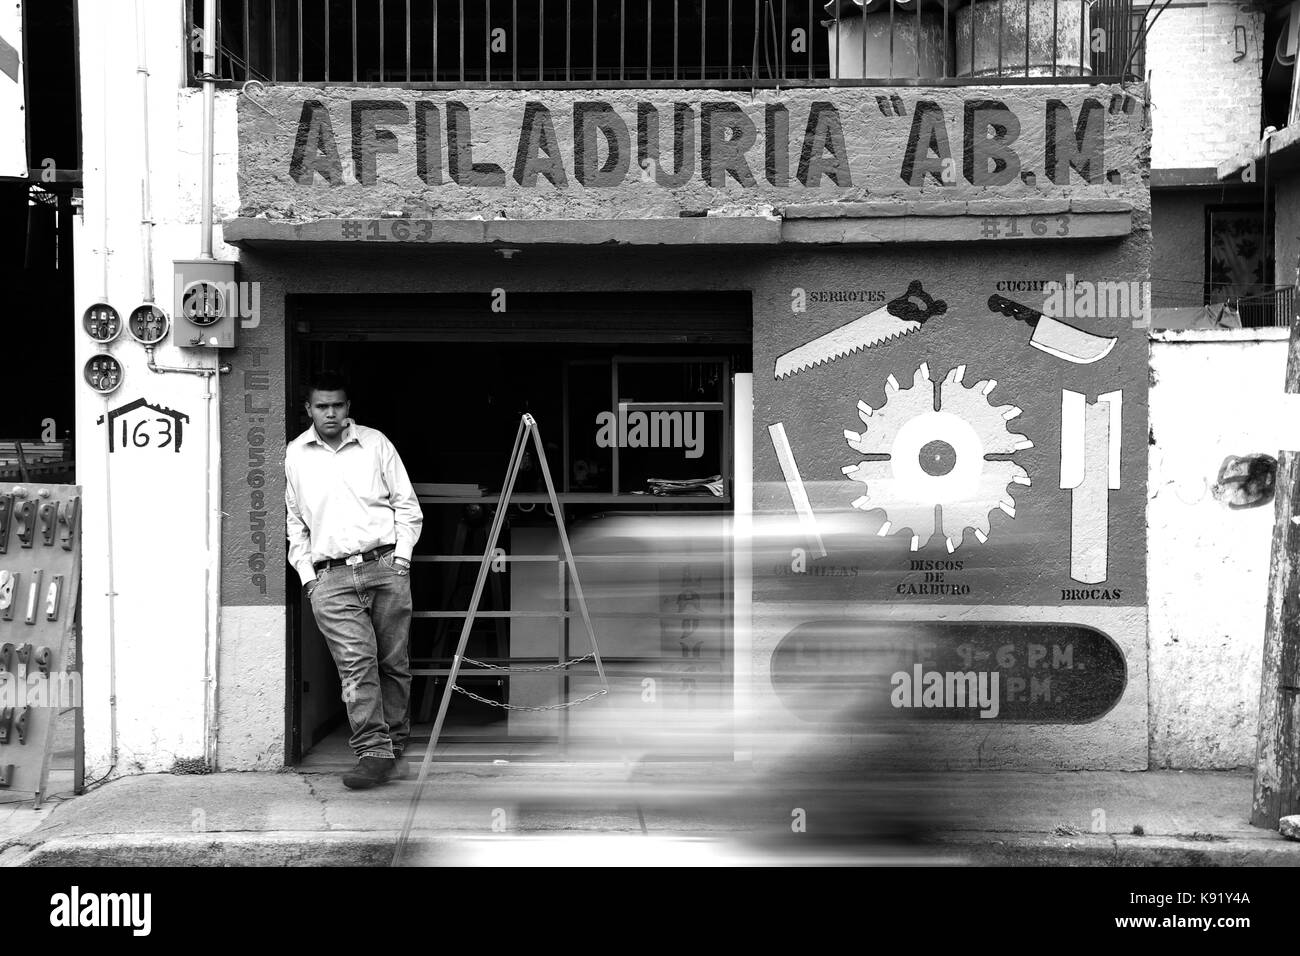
<point>1252,305</point>
<point>529,44</point>
<point>1272,308</point>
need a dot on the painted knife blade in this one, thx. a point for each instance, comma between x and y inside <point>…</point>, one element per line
<point>900,317</point>
<point>1055,337</point>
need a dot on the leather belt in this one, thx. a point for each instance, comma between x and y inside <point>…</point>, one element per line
<point>354,559</point>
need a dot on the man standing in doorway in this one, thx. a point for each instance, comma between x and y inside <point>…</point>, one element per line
<point>353,521</point>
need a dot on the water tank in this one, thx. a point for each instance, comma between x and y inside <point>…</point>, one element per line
<point>863,27</point>
<point>1000,30</point>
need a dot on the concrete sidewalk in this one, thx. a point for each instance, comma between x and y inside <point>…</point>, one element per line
<point>574,813</point>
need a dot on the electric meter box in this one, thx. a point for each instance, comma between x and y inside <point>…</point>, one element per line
<point>207,304</point>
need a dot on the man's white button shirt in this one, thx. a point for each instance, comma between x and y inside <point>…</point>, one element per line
<point>347,500</point>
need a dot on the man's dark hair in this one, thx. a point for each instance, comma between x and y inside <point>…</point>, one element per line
<point>326,380</point>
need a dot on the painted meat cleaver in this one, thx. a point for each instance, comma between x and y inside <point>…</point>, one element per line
<point>1090,469</point>
<point>1055,337</point>
<point>902,316</point>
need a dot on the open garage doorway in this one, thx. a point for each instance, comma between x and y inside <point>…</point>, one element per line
<point>633,396</point>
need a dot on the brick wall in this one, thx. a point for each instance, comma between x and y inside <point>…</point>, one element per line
<point>1204,106</point>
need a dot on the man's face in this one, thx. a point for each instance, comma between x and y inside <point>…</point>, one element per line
<point>328,411</point>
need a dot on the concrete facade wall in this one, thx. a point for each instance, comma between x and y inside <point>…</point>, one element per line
<point>1286,231</point>
<point>1118,740</point>
<point>1204,657</point>
<point>156,646</point>
<point>1202,689</point>
<point>1212,395</point>
<point>1205,107</point>
<point>1177,247</point>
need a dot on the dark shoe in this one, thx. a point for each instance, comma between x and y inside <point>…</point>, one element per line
<point>399,769</point>
<point>369,772</point>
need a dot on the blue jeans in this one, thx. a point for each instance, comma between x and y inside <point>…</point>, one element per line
<point>364,611</point>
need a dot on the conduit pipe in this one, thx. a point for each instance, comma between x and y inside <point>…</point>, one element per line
<point>212,491</point>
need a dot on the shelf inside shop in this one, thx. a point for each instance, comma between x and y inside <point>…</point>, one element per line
<point>572,498</point>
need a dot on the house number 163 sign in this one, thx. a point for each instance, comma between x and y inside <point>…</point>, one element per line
<point>142,424</point>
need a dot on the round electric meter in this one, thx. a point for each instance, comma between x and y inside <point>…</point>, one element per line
<point>102,322</point>
<point>103,373</point>
<point>148,324</point>
<point>203,303</point>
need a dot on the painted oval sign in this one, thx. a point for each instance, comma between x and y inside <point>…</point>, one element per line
<point>859,672</point>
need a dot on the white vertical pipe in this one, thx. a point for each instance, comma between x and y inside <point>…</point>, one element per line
<point>212,527</point>
<point>112,605</point>
<point>212,450</point>
<point>212,588</point>
<point>146,199</point>
<point>111,593</point>
<point>209,121</point>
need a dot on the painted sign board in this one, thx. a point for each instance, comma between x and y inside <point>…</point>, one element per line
<point>13,115</point>
<point>339,152</point>
<point>952,441</point>
<point>860,672</point>
<point>944,429</point>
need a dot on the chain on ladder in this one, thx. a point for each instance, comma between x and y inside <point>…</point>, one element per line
<point>540,707</point>
<point>528,670</point>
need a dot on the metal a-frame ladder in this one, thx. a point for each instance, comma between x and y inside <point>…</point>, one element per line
<point>527,428</point>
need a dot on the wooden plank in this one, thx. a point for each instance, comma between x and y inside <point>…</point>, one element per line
<point>1277,760</point>
<point>1292,385</point>
<point>581,498</point>
<point>1277,757</point>
<point>674,406</point>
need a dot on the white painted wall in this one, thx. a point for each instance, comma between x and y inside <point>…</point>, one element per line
<point>1213,394</point>
<point>159,505</point>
